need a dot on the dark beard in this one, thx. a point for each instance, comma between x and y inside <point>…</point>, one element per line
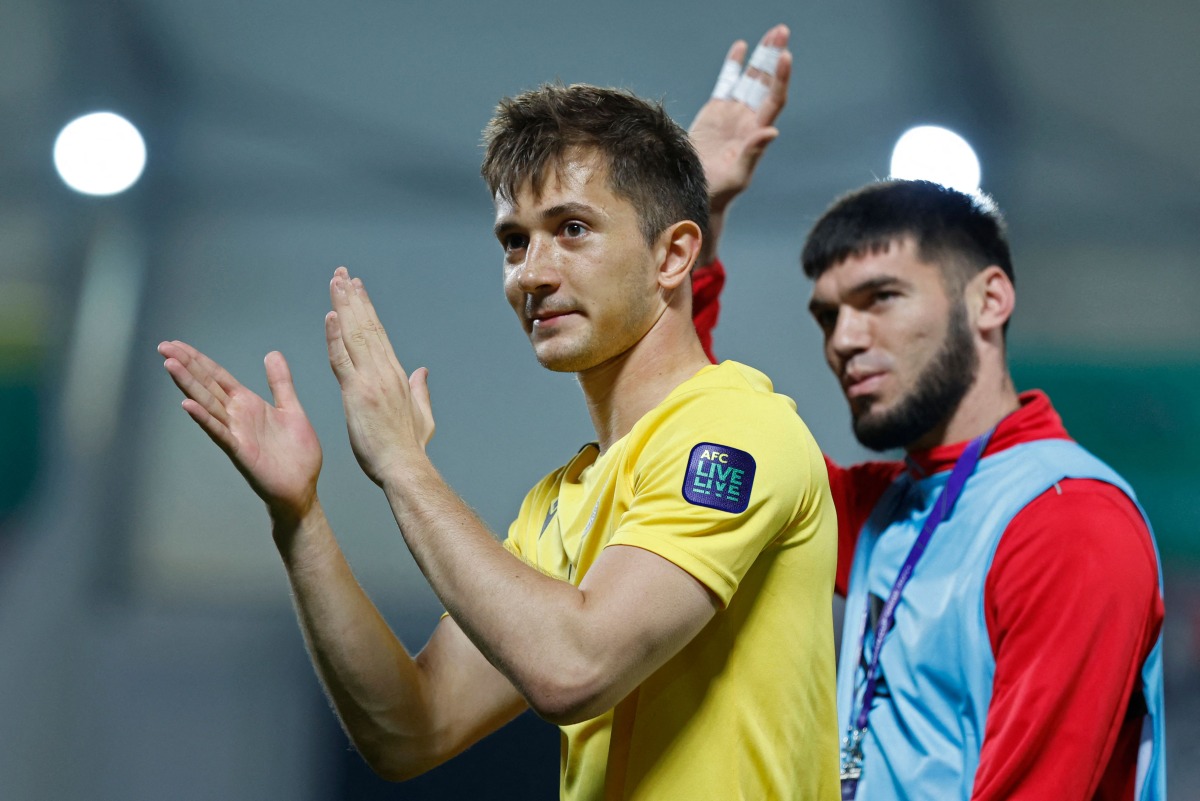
<point>939,389</point>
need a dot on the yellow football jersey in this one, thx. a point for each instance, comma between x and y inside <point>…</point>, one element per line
<point>725,481</point>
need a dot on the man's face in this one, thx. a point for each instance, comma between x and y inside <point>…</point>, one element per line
<point>898,341</point>
<point>577,270</point>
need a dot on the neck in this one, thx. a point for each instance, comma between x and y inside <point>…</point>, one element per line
<point>991,398</point>
<point>621,390</point>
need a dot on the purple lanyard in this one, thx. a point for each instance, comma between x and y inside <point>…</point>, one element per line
<point>852,746</point>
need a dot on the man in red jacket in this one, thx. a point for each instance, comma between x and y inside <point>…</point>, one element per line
<point>1019,647</point>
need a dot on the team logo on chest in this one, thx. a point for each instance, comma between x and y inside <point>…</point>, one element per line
<point>719,477</point>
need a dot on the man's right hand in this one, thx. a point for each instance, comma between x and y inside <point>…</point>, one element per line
<point>733,129</point>
<point>273,446</point>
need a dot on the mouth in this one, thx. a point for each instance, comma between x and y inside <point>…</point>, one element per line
<point>862,384</point>
<point>547,320</point>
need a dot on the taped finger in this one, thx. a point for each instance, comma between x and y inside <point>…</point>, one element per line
<point>765,58</point>
<point>751,92</point>
<point>726,81</point>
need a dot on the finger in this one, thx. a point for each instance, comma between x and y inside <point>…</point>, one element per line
<point>755,86</point>
<point>217,431</point>
<point>766,53</point>
<point>279,379</point>
<point>731,71</point>
<point>352,335</point>
<point>756,145</point>
<point>777,36</point>
<point>362,333</point>
<point>737,51</point>
<point>194,390</point>
<point>378,348</point>
<point>219,382</point>
<point>777,98</point>
<point>339,359</point>
<point>215,378</point>
<point>373,316</point>
<point>183,354</point>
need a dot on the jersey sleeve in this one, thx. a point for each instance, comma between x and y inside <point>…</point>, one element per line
<point>707,282</point>
<point>721,480</point>
<point>1073,606</point>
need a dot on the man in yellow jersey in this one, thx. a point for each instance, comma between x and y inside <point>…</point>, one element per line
<point>665,596</point>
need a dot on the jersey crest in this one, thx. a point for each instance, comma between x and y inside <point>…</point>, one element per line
<point>719,477</point>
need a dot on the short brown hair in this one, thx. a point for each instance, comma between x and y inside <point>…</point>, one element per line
<point>651,162</point>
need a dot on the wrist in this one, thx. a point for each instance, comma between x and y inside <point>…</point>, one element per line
<point>292,514</point>
<point>409,484</point>
<point>290,525</point>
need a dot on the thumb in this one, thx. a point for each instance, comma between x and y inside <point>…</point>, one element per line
<point>754,149</point>
<point>418,384</point>
<point>279,379</point>
<point>757,143</point>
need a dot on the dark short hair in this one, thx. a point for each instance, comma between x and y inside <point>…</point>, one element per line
<point>952,229</point>
<point>651,162</point>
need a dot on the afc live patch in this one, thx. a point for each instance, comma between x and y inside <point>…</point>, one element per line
<point>719,477</point>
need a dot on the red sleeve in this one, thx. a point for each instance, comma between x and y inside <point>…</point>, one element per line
<point>856,490</point>
<point>1072,606</point>
<point>707,282</point>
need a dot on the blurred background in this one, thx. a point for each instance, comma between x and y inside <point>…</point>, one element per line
<point>147,644</point>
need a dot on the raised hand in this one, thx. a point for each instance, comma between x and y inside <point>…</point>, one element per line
<point>733,129</point>
<point>388,414</point>
<point>274,446</point>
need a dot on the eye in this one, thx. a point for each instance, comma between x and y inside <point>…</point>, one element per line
<point>574,229</point>
<point>511,242</point>
<point>826,319</point>
<point>884,296</point>
<point>824,315</point>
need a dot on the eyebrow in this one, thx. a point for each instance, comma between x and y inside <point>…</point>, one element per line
<point>862,287</point>
<point>561,210</point>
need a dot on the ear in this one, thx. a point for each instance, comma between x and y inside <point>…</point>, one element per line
<point>677,249</point>
<point>993,297</point>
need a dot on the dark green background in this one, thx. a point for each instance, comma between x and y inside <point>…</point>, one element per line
<point>1141,414</point>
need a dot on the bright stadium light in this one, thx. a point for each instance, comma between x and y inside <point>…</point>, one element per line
<point>937,154</point>
<point>99,154</point>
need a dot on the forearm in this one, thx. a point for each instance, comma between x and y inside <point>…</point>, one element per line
<point>375,686</point>
<point>562,665</point>
<point>590,645</point>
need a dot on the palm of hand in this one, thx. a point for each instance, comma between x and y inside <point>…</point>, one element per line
<point>273,446</point>
<point>276,449</point>
<point>721,133</point>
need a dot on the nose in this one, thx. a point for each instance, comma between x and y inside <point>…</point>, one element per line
<point>538,274</point>
<point>851,334</point>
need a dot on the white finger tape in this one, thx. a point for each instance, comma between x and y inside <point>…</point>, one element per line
<point>750,91</point>
<point>730,72</point>
<point>765,57</point>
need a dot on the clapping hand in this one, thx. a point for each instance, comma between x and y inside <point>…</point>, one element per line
<point>388,413</point>
<point>273,445</point>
